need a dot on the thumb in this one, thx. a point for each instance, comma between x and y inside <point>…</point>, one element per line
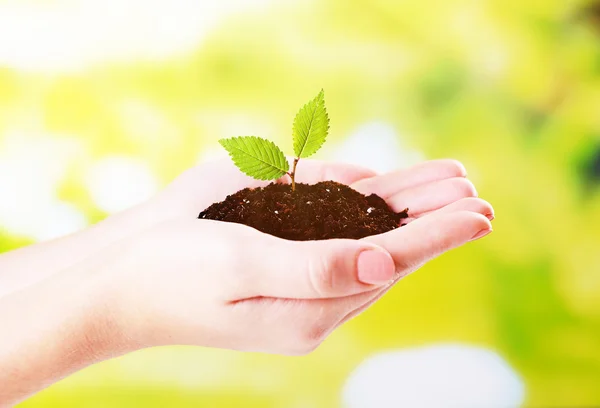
<point>430,236</point>
<point>320,269</point>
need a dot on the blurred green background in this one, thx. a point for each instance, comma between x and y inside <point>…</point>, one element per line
<point>102,103</point>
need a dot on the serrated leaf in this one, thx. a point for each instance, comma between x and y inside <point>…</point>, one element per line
<point>311,126</point>
<point>258,158</point>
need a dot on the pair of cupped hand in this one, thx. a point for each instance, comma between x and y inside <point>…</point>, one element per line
<point>181,280</point>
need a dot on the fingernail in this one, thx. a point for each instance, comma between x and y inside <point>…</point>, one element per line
<point>375,267</point>
<point>490,216</point>
<point>481,234</point>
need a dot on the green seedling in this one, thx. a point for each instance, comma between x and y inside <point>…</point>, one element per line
<point>263,160</point>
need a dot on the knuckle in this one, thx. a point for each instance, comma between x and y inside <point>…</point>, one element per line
<point>318,328</point>
<point>314,325</point>
<point>466,187</point>
<point>316,334</point>
<point>469,202</point>
<point>321,276</point>
<point>481,206</point>
<point>472,204</point>
<point>457,168</point>
<point>310,328</point>
<point>308,336</point>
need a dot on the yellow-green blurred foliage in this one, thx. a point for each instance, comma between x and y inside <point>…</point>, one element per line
<point>511,88</point>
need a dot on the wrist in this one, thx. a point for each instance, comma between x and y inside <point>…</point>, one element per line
<point>104,293</point>
<point>120,302</point>
<point>33,264</point>
<point>55,328</point>
<point>90,301</point>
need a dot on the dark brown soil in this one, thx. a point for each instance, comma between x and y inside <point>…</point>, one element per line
<point>321,211</point>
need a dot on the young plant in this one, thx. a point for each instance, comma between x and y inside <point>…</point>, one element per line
<point>263,160</point>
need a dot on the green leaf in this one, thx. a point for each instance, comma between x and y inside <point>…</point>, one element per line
<point>311,126</point>
<point>257,157</point>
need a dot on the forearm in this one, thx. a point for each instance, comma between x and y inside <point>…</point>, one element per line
<point>29,265</point>
<point>54,328</point>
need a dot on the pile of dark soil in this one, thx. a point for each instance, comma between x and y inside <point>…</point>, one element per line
<point>321,211</point>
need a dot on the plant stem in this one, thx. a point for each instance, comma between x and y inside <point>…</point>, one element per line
<point>293,174</point>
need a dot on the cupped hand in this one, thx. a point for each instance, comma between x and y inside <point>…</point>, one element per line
<point>209,283</point>
<point>157,275</point>
<point>422,188</point>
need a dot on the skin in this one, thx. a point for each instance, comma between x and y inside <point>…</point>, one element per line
<point>155,275</point>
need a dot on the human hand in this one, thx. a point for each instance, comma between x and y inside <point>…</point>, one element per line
<point>218,284</point>
<point>126,284</point>
<point>422,188</point>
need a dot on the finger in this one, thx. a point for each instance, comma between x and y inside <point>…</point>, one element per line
<point>472,204</point>
<point>315,269</point>
<point>432,196</point>
<point>428,237</point>
<point>391,183</point>
<point>314,171</point>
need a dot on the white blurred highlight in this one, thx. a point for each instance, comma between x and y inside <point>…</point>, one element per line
<point>72,35</point>
<point>440,376</point>
<point>376,145</point>
<point>31,168</point>
<point>116,183</point>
